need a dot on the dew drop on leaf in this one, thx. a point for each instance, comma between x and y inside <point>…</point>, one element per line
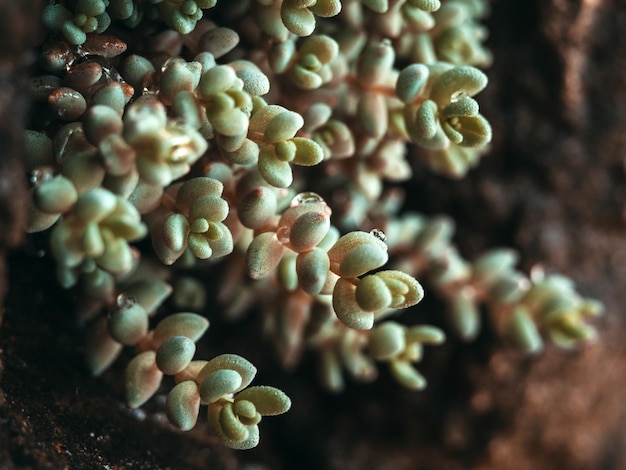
<point>458,96</point>
<point>282,233</point>
<point>379,234</point>
<point>306,198</point>
<point>125,301</point>
<point>41,175</point>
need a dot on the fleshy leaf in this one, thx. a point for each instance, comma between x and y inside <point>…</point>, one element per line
<point>218,384</point>
<point>189,325</point>
<point>268,401</point>
<point>183,405</point>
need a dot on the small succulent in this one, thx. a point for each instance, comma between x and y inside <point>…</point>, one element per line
<point>94,16</point>
<point>196,224</point>
<point>309,66</point>
<point>89,16</point>
<point>374,73</point>
<point>358,297</point>
<point>167,350</point>
<point>299,16</point>
<point>275,127</point>
<point>301,228</point>
<point>441,115</point>
<point>400,346</point>
<point>234,409</point>
<point>98,227</point>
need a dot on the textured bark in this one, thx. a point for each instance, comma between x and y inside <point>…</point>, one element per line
<point>553,186</point>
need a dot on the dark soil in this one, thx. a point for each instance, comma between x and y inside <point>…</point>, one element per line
<point>553,186</point>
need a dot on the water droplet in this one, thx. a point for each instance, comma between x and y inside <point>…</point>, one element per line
<point>458,96</point>
<point>379,234</point>
<point>112,75</point>
<point>81,51</point>
<point>41,175</point>
<point>306,198</point>
<point>283,234</point>
<point>125,301</point>
<point>148,86</point>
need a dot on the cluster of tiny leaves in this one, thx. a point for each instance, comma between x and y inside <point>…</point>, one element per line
<point>210,139</point>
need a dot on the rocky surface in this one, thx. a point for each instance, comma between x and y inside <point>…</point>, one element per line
<point>553,186</point>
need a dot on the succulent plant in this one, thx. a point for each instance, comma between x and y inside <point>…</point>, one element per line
<point>269,133</point>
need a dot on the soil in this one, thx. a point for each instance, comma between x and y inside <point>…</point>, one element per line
<point>553,186</point>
